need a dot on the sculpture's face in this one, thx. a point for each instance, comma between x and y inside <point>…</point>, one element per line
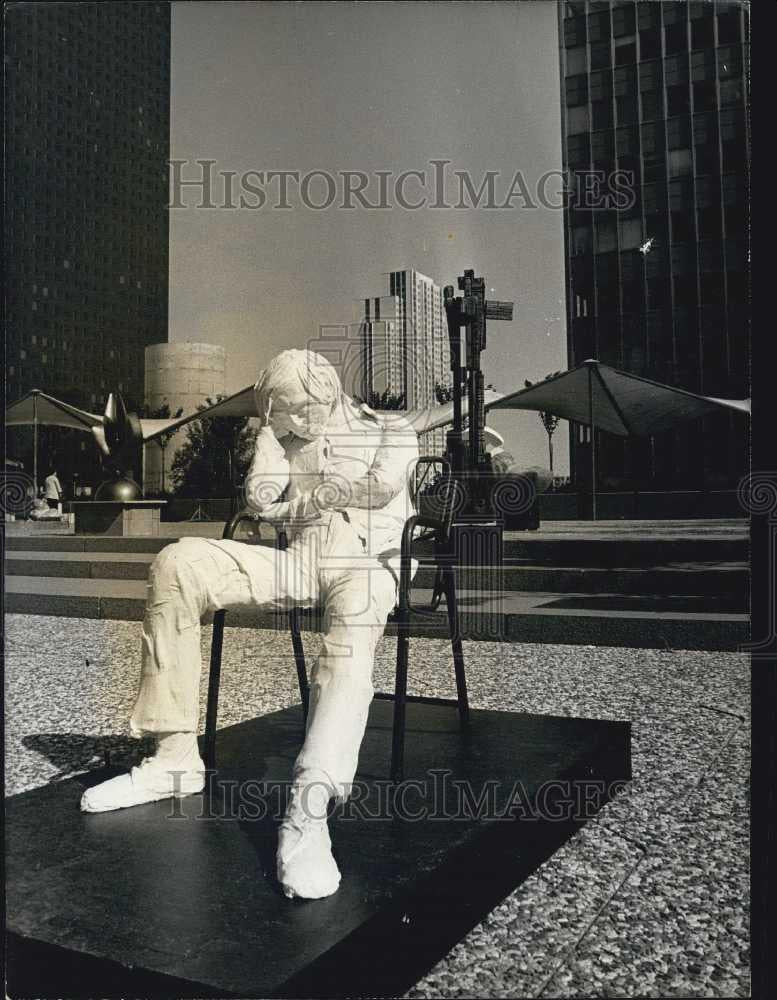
<point>293,411</point>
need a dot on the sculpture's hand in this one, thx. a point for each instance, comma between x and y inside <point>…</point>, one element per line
<point>268,475</point>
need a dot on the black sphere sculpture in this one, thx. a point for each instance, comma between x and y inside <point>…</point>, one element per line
<point>120,489</point>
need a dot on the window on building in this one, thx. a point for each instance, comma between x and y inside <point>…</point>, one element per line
<point>704,96</point>
<point>623,20</point>
<point>606,238</point>
<point>576,88</point>
<point>704,129</point>
<point>708,221</point>
<point>682,227</point>
<point>702,32</point>
<point>729,27</point>
<point>603,147</point>
<point>652,139</point>
<point>608,337</point>
<point>710,256</point>
<point>684,290</point>
<point>731,125</point>
<point>652,105</point>
<point>582,240</point>
<point>599,26</point>
<point>627,142</point>
<point>707,160</point>
<point>657,292</point>
<point>680,162</point>
<point>681,195</point>
<point>600,56</point>
<point>648,15</point>
<point>625,80</point>
<point>626,109</point>
<point>578,150</point>
<point>650,76</point>
<point>675,35</point>
<point>711,287</point>
<point>575,60</point>
<point>702,66</point>
<point>630,234</point>
<point>654,197</point>
<point>625,51</point>
<point>601,114</point>
<point>574,31</point>
<point>676,70</point>
<point>601,86</point>
<point>650,44</point>
<point>678,133</point>
<point>678,100</point>
<point>731,92</point>
<point>577,120</point>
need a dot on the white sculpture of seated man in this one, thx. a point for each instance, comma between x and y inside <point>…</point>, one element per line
<point>346,473</point>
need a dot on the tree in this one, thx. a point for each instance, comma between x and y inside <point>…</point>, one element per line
<point>386,400</point>
<point>162,440</point>
<point>443,391</point>
<point>549,420</point>
<point>215,458</point>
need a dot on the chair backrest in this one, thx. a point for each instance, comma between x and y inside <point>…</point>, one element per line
<point>435,492</point>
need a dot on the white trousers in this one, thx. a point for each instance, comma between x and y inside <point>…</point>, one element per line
<point>325,566</point>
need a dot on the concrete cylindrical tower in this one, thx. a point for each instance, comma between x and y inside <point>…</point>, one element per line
<point>180,375</point>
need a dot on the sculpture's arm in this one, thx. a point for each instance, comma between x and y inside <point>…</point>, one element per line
<point>390,471</point>
<point>268,474</point>
<point>387,476</point>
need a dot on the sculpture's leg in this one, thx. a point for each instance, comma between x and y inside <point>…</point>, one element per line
<point>357,603</point>
<point>186,580</point>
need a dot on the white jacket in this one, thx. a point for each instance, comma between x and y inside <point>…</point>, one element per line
<point>362,468</point>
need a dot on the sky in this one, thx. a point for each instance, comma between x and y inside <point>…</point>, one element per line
<point>370,87</point>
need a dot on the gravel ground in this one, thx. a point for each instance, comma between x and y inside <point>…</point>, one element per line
<point>649,899</point>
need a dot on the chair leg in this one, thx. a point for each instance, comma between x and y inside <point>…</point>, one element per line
<point>458,652</point>
<point>299,660</point>
<point>400,695</point>
<point>211,712</point>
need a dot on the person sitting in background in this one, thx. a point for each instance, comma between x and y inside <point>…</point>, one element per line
<point>505,465</point>
<point>53,490</point>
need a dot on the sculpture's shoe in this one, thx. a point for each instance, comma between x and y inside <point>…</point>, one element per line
<point>306,867</point>
<point>151,781</point>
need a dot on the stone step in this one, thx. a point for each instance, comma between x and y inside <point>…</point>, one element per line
<point>712,579</point>
<point>600,549</point>
<point>513,616</point>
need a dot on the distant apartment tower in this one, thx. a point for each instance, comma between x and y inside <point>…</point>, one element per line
<point>180,376</point>
<point>659,287</point>
<point>404,345</point>
<point>87,115</point>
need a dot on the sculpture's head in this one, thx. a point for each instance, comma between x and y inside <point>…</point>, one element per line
<point>299,390</point>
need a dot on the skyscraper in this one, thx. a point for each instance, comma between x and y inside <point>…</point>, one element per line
<point>657,281</point>
<point>405,344</point>
<point>87,144</point>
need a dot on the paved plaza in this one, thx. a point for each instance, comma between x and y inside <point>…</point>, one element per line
<point>651,898</point>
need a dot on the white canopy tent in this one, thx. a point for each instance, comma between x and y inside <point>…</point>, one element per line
<point>604,398</point>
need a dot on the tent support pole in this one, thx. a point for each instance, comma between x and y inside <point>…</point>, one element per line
<point>35,444</point>
<point>593,441</point>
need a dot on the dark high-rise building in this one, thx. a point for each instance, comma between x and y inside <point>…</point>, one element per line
<point>657,257</point>
<point>87,118</point>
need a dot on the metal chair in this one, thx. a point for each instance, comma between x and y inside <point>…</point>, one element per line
<point>436,528</point>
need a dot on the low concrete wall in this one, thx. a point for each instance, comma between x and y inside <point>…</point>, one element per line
<point>685,504</point>
<point>553,507</point>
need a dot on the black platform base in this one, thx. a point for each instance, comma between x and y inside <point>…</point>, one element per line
<point>179,899</point>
